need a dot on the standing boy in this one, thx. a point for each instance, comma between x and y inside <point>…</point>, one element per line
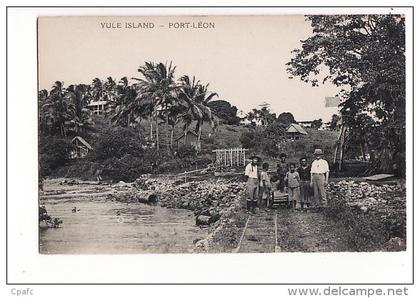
<point>251,171</point>
<point>292,180</point>
<point>281,171</point>
<point>319,178</point>
<point>304,171</point>
<point>265,187</point>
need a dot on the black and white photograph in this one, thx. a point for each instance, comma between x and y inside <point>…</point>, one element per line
<point>248,150</point>
<point>222,134</point>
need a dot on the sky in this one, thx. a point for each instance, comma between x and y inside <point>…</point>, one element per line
<point>243,58</point>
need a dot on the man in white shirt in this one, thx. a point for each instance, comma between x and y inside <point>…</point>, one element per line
<point>319,177</point>
<point>251,171</point>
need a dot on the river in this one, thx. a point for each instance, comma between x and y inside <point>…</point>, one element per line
<point>100,226</point>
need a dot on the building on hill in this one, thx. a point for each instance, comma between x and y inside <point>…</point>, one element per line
<point>295,131</point>
<point>188,139</point>
<point>97,107</point>
<point>309,124</point>
<point>305,124</point>
<point>82,147</point>
<point>325,126</point>
<point>243,116</point>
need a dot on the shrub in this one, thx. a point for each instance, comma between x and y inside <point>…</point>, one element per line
<point>53,153</point>
<point>115,142</point>
<point>128,168</point>
<point>185,151</point>
<point>251,139</point>
<point>366,231</point>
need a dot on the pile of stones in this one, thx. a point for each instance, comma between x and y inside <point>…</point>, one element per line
<point>385,201</point>
<point>208,199</point>
<point>367,196</point>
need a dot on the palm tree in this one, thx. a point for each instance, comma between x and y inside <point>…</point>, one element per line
<point>57,109</point>
<point>202,100</point>
<point>195,98</point>
<point>42,115</point>
<point>157,91</point>
<point>126,105</point>
<point>79,96</point>
<point>172,118</point>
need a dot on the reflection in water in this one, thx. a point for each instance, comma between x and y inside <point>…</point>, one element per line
<point>112,227</point>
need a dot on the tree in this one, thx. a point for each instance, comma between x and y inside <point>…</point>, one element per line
<point>127,107</point>
<point>202,100</point>
<point>266,116</point>
<point>316,124</point>
<point>363,129</point>
<point>157,90</point>
<point>261,116</point>
<point>195,98</point>
<point>286,118</point>
<point>253,116</point>
<point>97,90</point>
<point>335,119</point>
<point>364,54</point>
<point>81,119</point>
<point>53,153</point>
<point>225,111</point>
<point>56,110</point>
<point>116,142</point>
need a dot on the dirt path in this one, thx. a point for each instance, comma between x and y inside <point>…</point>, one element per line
<point>291,231</point>
<point>310,232</point>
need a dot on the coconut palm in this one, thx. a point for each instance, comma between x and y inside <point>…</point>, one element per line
<point>126,105</point>
<point>195,98</point>
<point>157,91</point>
<point>202,100</point>
<point>57,109</point>
<point>79,96</point>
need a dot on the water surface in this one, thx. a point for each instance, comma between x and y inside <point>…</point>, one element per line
<point>107,227</point>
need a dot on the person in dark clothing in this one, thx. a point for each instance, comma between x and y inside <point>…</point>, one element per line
<point>304,171</point>
<point>282,169</point>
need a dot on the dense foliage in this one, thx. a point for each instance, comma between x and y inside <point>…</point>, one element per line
<point>365,55</point>
<point>53,153</point>
<point>225,111</point>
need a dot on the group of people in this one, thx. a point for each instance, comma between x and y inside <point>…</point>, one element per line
<point>304,184</point>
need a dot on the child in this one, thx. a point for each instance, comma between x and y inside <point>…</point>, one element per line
<point>265,187</point>
<point>292,180</point>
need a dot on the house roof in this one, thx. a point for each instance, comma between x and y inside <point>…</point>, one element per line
<point>83,141</point>
<point>296,128</point>
<point>188,132</point>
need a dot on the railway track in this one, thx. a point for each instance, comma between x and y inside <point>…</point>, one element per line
<point>260,234</point>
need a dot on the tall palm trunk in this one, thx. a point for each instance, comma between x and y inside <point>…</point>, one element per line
<point>172,136</point>
<point>157,133</point>
<point>199,139</point>
<point>185,136</point>
<point>168,132</point>
<point>362,148</point>
<point>151,130</point>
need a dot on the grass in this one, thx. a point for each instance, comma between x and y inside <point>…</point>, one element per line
<point>225,136</point>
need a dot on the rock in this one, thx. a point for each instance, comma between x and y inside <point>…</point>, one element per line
<point>185,205</point>
<point>203,220</point>
<point>395,244</point>
<point>205,212</point>
<point>215,216</point>
<point>203,244</point>
<point>364,209</point>
<point>152,199</point>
